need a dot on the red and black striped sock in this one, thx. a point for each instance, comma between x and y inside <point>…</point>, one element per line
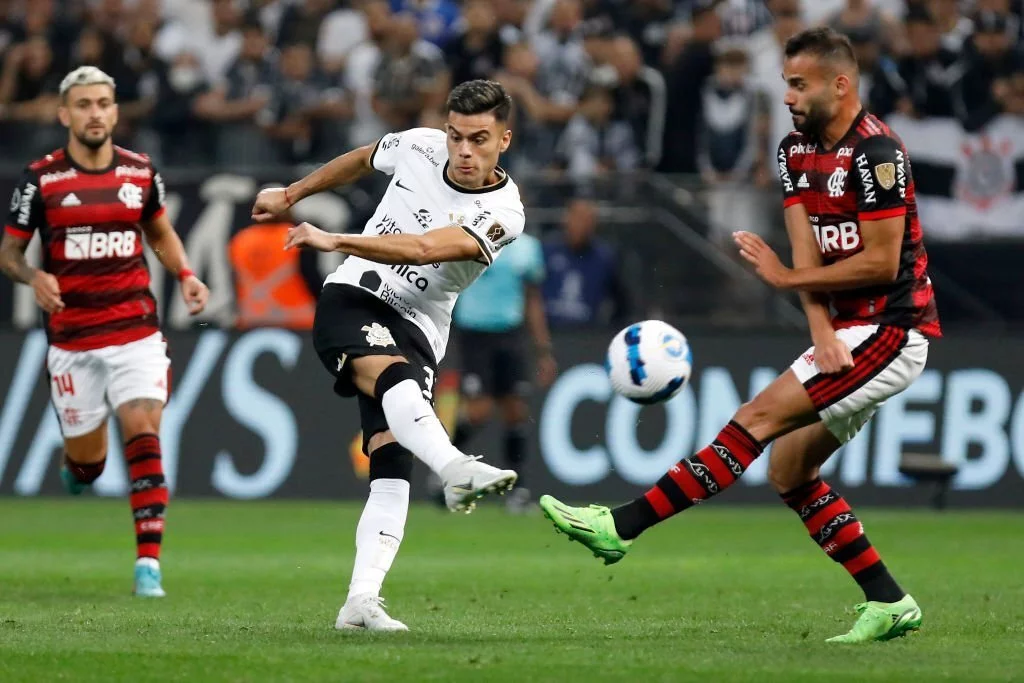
<point>149,492</point>
<point>86,472</point>
<point>835,528</point>
<point>690,481</point>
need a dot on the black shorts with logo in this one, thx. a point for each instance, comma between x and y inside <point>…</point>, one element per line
<point>493,363</point>
<point>351,323</point>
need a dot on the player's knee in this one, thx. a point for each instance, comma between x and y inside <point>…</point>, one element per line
<point>391,461</point>
<point>392,375</point>
<point>756,417</point>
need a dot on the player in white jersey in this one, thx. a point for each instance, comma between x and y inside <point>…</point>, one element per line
<point>383,317</point>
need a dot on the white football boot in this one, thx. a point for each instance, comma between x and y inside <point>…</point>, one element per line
<point>366,611</point>
<point>468,479</point>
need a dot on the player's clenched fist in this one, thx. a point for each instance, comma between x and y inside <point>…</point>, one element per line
<point>47,292</point>
<point>307,235</point>
<point>195,294</point>
<point>832,356</point>
<point>270,203</point>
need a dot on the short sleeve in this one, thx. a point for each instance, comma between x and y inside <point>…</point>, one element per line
<point>494,229</point>
<point>154,207</point>
<point>880,178</point>
<point>384,156</point>
<point>27,213</point>
<point>790,192</point>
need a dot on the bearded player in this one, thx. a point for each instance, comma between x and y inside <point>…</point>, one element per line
<point>91,203</point>
<point>383,317</point>
<point>857,245</point>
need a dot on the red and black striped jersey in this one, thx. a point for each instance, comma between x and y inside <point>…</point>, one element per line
<point>88,221</point>
<point>866,176</point>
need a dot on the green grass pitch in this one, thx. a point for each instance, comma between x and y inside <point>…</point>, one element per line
<point>720,594</point>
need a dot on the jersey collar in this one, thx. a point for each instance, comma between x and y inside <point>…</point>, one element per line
<point>502,182</point>
<point>853,126</point>
<point>91,171</point>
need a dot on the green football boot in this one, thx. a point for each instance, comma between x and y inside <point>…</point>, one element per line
<point>592,526</point>
<point>882,621</point>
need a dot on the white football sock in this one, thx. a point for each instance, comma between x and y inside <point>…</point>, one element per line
<point>415,426</point>
<point>378,535</point>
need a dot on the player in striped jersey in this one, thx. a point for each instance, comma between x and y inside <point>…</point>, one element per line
<point>91,204</point>
<point>858,248</point>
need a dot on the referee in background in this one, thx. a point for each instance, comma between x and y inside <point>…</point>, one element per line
<point>489,319</point>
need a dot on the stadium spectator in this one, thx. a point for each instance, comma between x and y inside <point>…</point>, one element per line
<point>360,67</point>
<point>181,112</point>
<point>647,22</point>
<point>871,24</point>
<point>301,23</point>
<point>639,93</point>
<point>340,32</point>
<point>303,100</point>
<point>242,105</point>
<point>436,20</point>
<point>987,63</point>
<point>410,78</point>
<point>919,84</point>
<point>477,51</point>
<point>954,28</point>
<point>733,137</point>
<point>594,142</point>
<point>583,286</point>
<point>28,96</point>
<point>687,76</point>
<point>564,67</point>
<point>511,18</point>
<point>766,56</point>
<point>219,49</point>
<point>138,83</point>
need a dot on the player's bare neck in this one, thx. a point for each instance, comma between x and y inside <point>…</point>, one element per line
<point>91,159</point>
<point>841,124</point>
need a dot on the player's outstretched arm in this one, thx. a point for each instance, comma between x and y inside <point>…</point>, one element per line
<point>14,266</point>
<point>348,168</point>
<point>451,243</point>
<point>168,248</point>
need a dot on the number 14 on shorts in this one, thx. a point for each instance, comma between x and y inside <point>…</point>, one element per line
<point>64,385</point>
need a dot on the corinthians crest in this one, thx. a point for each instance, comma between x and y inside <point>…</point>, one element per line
<point>378,335</point>
<point>986,172</point>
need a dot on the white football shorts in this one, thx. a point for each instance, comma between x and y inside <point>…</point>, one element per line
<point>887,360</point>
<point>86,385</point>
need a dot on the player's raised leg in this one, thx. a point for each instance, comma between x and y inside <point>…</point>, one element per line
<point>378,536</point>
<point>415,425</point>
<point>794,471</point>
<point>782,407</point>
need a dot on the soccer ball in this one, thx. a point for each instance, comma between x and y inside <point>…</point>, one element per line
<point>649,362</point>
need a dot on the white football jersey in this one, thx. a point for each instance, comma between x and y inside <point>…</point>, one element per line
<point>421,197</point>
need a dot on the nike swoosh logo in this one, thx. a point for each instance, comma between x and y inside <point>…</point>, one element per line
<point>421,417</point>
<point>390,536</point>
<point>399,184</point>
<point>468,486</point>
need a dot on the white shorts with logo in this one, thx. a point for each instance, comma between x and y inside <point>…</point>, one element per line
<point>85,385</point>
<point>887,360</point>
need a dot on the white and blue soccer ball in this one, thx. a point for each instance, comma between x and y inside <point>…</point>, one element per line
<point>649,362</point>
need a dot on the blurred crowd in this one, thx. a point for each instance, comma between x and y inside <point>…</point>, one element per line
<point>685,86</point>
